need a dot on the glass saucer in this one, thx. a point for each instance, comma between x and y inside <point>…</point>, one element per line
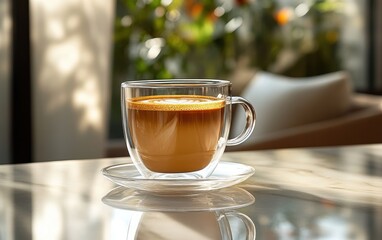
<point>222,199</point>
<point>225,175</point>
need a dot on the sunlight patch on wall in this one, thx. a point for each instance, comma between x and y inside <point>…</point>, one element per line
<point>71,42</point>
<point>64,57</point>
<point>86,99</point>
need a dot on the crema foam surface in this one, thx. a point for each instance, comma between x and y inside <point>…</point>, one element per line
<point>175,103</point>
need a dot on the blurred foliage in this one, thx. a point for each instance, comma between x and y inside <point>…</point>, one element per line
<point>207,39</point>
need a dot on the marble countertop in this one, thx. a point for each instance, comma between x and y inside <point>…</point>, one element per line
<point>317,193</point>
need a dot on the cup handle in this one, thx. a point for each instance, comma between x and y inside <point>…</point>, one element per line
<point>250,121</point>
<point>249,225</point>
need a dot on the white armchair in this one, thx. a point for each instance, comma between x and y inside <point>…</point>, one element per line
<point>309,112</point>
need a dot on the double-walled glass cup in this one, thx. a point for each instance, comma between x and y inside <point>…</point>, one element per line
<point>179,128</point>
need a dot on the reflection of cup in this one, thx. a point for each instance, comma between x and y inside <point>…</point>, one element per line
<point>204,215</point>
<point>186,225</point>
<point>179,128</point>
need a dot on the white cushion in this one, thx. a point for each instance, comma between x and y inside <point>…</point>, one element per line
<point>282,102</point>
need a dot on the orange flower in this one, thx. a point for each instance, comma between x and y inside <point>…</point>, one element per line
<point>197,10</point>
<point>241,2</point>
<point>193,8</point>
<point>282,16</point>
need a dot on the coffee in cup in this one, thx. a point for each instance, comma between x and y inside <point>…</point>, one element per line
<point>175,134</point>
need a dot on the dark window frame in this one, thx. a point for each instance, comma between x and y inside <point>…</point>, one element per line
<point>21,84</point>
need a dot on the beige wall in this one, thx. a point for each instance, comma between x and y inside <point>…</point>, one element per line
<point>5,61</point>
<point>71,56</point>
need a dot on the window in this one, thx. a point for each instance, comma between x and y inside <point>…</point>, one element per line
<point>226,39</point>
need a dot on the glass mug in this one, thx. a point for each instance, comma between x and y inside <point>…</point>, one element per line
<point>179,128</point>
<point>188,225</point>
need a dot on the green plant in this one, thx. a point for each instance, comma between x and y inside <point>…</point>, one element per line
<point>206,39</point>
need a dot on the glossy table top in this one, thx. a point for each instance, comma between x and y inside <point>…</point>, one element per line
<point>318,193</point>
